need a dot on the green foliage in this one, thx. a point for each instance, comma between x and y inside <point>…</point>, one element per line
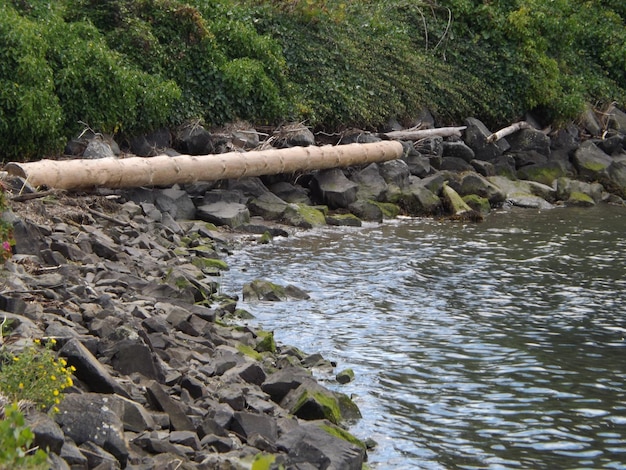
<point>134,65</point>
<point>15,442</point>
<point>35,375</point>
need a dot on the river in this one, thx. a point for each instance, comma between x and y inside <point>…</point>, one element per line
<point>475,346</point>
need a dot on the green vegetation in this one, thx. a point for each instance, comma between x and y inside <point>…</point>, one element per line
<point>15,443</point>
<point>128,66</point>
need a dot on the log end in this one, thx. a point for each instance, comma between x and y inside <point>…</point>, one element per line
<point>15,169</point>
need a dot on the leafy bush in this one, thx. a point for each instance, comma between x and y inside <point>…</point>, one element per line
<point>35,375</point>
<point>30,113</point>
<point>15,442</point>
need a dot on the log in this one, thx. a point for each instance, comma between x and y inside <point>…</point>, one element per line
<point>163,170</point>
<point>508,131</point>
<point>410,134</point>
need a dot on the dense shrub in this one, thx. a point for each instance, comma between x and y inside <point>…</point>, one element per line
<point>133,65</point>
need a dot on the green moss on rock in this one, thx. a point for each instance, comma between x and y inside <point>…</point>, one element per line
<point>580,199</point>
<point>266,342</point>
<point>390,210</point>
<point>343,434</point>
<point>210,264</point>
<point>248,351</point>
<point>326,402</point>
<point>478,203</point>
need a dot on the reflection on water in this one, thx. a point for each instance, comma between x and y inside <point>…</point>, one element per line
<point>496,345</point>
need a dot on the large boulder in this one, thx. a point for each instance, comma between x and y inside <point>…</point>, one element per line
<point>616,119</point>
<point>268,206</point>
<point>578,193</point>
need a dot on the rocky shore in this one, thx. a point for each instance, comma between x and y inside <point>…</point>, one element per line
<point>127,282</point>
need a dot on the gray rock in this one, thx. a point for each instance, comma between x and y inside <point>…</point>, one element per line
<point>357,136</point>
<point>395,173</point>
<point>617,177</point>
<point>455,164</point>
<point>296,137</point>
<point>185,438</point>
<point>371,184</point>
<point>134,356</point>
<point>290,193</point>
<point>248,424</point>
<point>332,188</point>
<point>591,162</point>
<point>193,139</point>
<point>248,371</point>
<point>135,417</point>
<point>89,370</point>
<point>590,122</point>
<point>48,434</point>
<point>161,400</point>
<point>458,149</point>
<point>418,200</point>
<point>419,165</point>
<point>268,206</point>
<point>98,148</point>
<point>366,210</point>
<point>475,137</point>
<point>483,168</point>
<point>175,202</point>
<point>473,183</point>
<point>281,382</point>
<point>529,140</point>
<point>224,213</point>
<point>72,455</point>
<point>311,444</point>
<point>89,419</point>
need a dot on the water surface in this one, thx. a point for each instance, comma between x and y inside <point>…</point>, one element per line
<point>492,345</point>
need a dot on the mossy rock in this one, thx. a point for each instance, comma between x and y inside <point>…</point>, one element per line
<point>478,203</point>
<point>349,220</point>
<point>263,462</point>
<point>336,431</point>
<point>345,376</point>
<point>211,265</point>
<point>265,238</point>
<point>265,341</point>
<point>248,351</point>
<point>390,209</point>
<point>579,199</point>
<point>349,410</point>
<point>317,404</point>
<point>545,174</point>
<point>306,216</point>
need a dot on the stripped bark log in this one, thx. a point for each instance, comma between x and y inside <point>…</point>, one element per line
<point>508,131</point>
<point>166,171</point>
<point>410,134</point>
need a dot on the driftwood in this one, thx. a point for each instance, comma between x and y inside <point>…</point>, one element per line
<point>166,171</point>
<point>412,134</point>
<point>508,131</point>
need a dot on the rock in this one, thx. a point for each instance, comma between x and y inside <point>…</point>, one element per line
<point>395,173</point>
<point>281,382</point>
<point>419,165</point>
<point>193,139</point>
<point>458,149</point>
<point>529,140</point>
<point>357,136</point>
<point>134,356</point>
<point>313,443</point>
<point>296,136</point>
<point>290,193</point>
<point>455,204</point>
<point>473,183</point>
<point>419,200</point>
<point>590,122</point>
<point>175,202</point>
<point>544,173</point>
<point>371,184</point>
<point>616,119</point>
<point>268,206</point>
<point>475,136</point>
<point>332,188</point>
<point>98,148</point>
<point>89,418</point>
<point>89,370</point>
<point>366,210</point>
<point>231,214</point>
<point>525,193</point>
<point>591,162</point>
<point>265,290</point>
<point>161,400</point>
<point>345,376</point>
<point>455,164</point>
<point>248,424</point>
<point>48,434</point>
<point>343,220</point>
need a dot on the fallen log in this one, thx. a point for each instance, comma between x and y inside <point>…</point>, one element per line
<point>508,131</point>
<point>163,170</point>
<point>411,134</point>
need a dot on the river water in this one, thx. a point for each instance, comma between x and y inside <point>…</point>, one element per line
<point>494,345</point>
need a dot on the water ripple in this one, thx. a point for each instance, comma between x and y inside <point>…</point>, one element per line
<point>497,346</point>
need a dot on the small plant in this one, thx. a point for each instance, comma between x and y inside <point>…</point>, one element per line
<point>36,375</point>
<point>15,442</point>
